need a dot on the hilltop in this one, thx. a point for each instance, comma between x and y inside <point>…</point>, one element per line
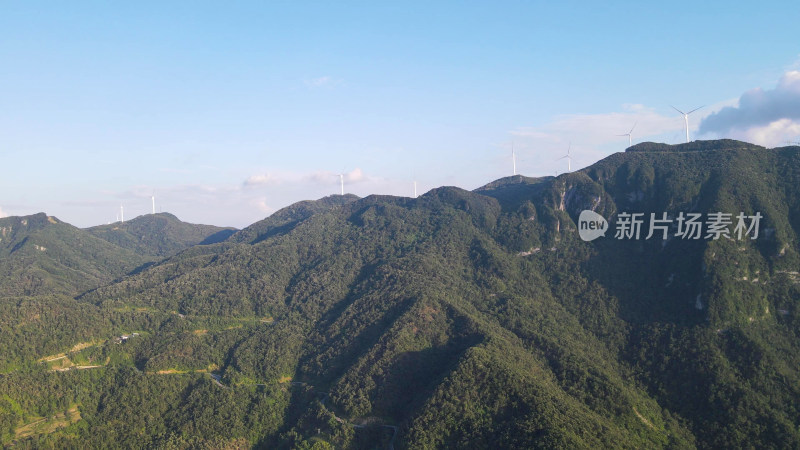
<point>695,146</point>
<point>283,220</point>
<point>159,235</point>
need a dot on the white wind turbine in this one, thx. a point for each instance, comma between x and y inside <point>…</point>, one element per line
<point>568,158</point>
<point>341,182</point>
<point>121,214</point>
<point>686,119</point>
<point>513,158</point>
<point>153,198</point>
<point>630,140</point>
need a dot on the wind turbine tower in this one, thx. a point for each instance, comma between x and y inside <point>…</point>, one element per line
<point>341,182</point>
<point>121,214</point>
<point>568,158</point>
<point>513,158</point>
<point>630,141</point>
<point>415,188</point>
<point>686,119</point>
<point>153,198</point>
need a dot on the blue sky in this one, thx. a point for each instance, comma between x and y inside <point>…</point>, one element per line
<point>229,112</point>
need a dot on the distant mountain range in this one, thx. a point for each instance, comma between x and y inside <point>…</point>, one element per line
<point>40,254</point>
<point>457,319</point>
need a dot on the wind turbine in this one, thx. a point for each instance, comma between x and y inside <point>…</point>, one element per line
<point>686,119</point>
<point>121,214</point>
<point>513,158</point>
<point>153,198</point>
<point>415,188</point>
<point>630,141</point>
<point>568,157</point>
<point>341,181</point>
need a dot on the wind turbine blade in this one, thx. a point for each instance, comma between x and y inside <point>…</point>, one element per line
<point>676,109</point>
<point>634,126</point>
<point>694,110</point>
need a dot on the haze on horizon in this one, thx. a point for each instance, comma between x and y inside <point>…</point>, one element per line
<point>229,113</point>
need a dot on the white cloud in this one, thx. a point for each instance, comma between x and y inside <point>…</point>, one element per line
<point>325,177</point>
<point>261,180</point>
<point>775,134</point>
<point>795,65</point>
<point>261,205</point>
<point>765,117</point>
<point>319,82</point>
<point>355,176</point>
<point>3,213</point>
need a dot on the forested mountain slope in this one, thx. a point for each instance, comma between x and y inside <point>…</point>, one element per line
<point>41,255</point>
<point>466,319</point>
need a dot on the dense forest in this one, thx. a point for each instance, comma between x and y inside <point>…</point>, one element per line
<point>454,320</point>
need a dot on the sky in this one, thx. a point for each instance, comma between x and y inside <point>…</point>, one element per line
<point>229,111</point>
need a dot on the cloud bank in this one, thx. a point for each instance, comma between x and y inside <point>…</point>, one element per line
<point>765,117</point>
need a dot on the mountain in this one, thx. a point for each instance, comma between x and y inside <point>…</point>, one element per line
<point>286,219</point>
<point>40,254</point>
<point>159,235</point>
<point>461,319</point>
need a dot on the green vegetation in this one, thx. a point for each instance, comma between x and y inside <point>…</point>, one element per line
<point>40,255</point>
<point>457,319</point>
<point>159,235</point>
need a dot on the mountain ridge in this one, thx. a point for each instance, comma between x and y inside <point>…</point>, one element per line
<point>159,235</point>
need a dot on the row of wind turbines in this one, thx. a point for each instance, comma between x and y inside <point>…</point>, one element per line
<point>568,157</point>
<point>629,134</point>
<point>685,122</point>
<point>121,213</point>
